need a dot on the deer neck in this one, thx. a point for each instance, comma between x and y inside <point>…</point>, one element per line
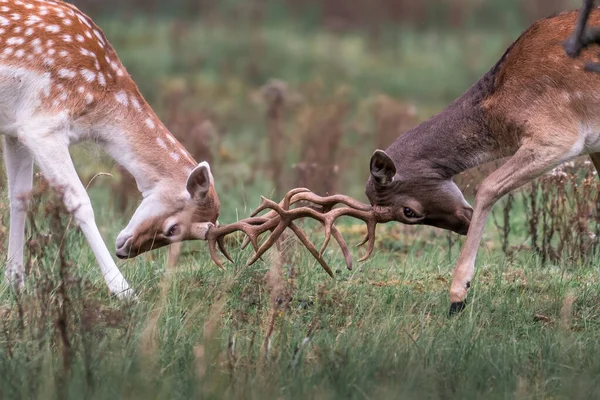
<point>146,149</point>
<point>465,134</point>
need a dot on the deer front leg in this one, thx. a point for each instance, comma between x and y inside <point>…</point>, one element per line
<point>19,171</point>
<point>51,152</point>
<point>528,163</point>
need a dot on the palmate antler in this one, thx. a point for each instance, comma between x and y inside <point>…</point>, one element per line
<point>280,217</point>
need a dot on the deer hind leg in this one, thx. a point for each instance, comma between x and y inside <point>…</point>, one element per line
<point>51,152</point>
<point>19,171</point>
<point>529,162</point>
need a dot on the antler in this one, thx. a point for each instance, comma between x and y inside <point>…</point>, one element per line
<point>583,36</point>
<point>280,217</point>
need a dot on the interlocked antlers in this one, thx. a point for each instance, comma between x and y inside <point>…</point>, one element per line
<point>281,217</point>
<point>583,36</point>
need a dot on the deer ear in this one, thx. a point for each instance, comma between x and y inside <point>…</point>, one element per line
<point>382,168</point>
<point>199,181</point>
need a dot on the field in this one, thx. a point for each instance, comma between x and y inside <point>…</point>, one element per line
<point>321,101</point>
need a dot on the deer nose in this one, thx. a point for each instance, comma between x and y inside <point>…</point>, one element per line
<point>123,246</point>
<point>121,240</point>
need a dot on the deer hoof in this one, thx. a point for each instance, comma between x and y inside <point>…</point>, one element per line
<point>456,308</point>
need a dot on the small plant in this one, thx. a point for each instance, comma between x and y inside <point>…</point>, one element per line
<point>561,214</point>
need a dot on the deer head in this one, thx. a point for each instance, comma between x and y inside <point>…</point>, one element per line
<point>414,195</point>
<point>168,216</point>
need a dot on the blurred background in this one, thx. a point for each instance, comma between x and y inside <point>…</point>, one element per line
<point>284,93</point>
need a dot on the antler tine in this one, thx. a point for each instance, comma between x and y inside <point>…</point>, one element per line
<point>330,200</point>
<point>370,239</point>
<point>281,227</point>
<point>267,244</point>
<point>343,246</point>
<point>252,228</point>
<point>222,249</point>
<point>308,244</point>
<point>212,249</point>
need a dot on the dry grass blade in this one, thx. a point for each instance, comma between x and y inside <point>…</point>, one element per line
<point>280,217</point>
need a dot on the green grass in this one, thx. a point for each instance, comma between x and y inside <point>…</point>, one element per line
<point>378,331</point>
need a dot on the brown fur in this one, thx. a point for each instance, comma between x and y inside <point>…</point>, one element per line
<point>536,105</point>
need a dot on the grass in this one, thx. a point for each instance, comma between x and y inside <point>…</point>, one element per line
<point>282,328</point>
<point>379,331</point>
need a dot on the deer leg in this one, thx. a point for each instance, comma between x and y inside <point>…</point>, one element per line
<point>526,164</point>
<point>19,171</point>
<point>51,152</point>
<point>595,157</point>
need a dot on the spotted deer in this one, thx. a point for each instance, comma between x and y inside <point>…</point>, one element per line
<point>536,106</point>
<point>61,82</point>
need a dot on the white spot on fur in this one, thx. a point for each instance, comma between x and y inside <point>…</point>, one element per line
<point>66,73</point>
<point>16,17</point>
<point>171,138</point>
<point>121,98</point>
<point>88,34</point>
<point>149,123</point>
<point>136,104</point>
<point>48,61</point>
<point>63,53</point>
<point>8,50</point>
<point>67,38</point>
<point>64,96</point>
<point>17,29</point>
<point>101,79</point>
<point>15,41</point>
<point>20,53</point>
<point>80,89</point>
<point>4,21</point>
<point>79,38</point>
<point>50,43</point>
<point>51,52</point>
<point>28,31</point>
<point>175,156</point>
<point>98,35</point>
<point>67,21</point>
<point>161,143</point>
<point>88,75</point>
<point>53,28</point>
<point>89,98</point>
<point>83,20</point>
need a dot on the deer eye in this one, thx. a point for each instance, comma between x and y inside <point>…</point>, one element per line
<point>173,231</point>
<point>409,213</point>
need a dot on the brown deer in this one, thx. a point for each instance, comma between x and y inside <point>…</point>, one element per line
<point>61,82</point>
<point>536,105</point>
